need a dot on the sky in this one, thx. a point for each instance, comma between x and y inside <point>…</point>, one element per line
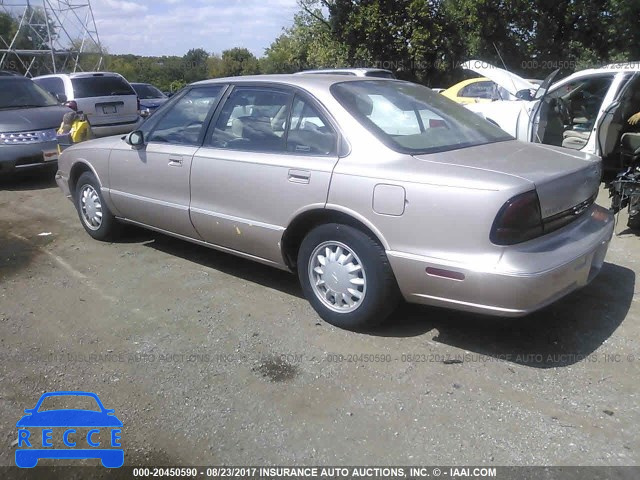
<point>172,27</point>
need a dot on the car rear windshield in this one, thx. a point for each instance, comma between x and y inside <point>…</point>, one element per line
<point>147,92</point>
<point>100,86</point>
<point>413,119</point>
<point>21,93</point>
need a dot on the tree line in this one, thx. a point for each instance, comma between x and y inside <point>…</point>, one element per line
<point>420,40</point>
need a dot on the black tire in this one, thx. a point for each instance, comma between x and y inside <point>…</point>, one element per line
<point>109,227</point>
<point>380,294</point>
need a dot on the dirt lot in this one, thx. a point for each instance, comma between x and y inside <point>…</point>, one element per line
<point>210,359</point>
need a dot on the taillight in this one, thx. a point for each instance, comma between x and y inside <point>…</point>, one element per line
<point>519,220</point>
<point>138,99</point>
<point>72,105</point>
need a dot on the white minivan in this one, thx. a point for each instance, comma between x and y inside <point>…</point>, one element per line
<point>107,99</point>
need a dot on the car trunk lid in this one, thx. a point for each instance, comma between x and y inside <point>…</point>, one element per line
<point>563,179</point>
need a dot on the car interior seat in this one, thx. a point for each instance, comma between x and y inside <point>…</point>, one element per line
<point>575,139</point>
<point>310,139</point>
<point>629,147</point>
<point>257,131</point>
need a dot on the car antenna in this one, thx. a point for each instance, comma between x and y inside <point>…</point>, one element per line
<point>504,65</point>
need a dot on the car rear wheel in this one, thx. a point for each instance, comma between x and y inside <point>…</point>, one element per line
<point>95,216</point>
<point>346,276</point>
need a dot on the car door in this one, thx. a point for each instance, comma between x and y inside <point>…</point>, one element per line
<point>150,185</point>
<point>269,155</point>
<point>569,114</point>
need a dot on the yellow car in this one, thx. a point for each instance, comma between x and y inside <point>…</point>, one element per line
<point>474,90</point>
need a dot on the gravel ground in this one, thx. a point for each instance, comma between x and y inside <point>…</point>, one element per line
<point>210,359</point>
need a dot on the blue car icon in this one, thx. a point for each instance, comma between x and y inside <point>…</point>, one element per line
<point>32,447</point>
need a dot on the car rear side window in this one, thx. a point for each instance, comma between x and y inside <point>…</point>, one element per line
<point>183,122</point>
<point>309,133</point>
<point>100,86</point>
<point>253,119</point>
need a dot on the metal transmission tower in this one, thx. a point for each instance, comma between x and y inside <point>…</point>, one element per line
<point>49,36</point>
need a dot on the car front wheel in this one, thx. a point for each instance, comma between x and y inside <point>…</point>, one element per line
<point>95,216</point>
<point>346,276</point>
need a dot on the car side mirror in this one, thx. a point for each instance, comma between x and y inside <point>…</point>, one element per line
<point>524,94</point>
<point>145,112</point>
<point>61,97</point>
<point>135,139</point>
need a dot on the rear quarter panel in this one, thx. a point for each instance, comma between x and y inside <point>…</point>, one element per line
<point>448,214</point>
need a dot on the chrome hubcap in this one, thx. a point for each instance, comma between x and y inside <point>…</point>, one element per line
<point>90,207</point>
<point>337,277</point>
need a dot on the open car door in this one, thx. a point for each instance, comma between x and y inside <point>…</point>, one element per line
<point>545,115</point>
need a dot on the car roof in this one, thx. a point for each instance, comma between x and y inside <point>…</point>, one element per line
<point>81,74</point>
<point>344,70</point>
<point>304,81</point>
<point>618,67</point>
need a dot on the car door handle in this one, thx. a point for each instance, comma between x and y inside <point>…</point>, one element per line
<point>175,162</point>
<point>299,176</point>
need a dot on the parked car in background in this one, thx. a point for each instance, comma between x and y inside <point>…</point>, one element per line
<point>586,111</point>
<point>29,118</point>
<point>150,98</point>
<point>357,72</point>
<point>477,90</point>
<point>107,99</point>
<point>370,189</point>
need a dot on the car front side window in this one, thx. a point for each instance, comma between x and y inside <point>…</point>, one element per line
<point>183,122</point>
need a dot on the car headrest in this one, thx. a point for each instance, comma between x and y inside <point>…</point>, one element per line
<point>361,104</point>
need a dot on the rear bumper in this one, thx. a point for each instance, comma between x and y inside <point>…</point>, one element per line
<point>527,278</point>
<point>15,158</point>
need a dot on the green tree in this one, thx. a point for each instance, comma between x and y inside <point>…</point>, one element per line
<point>195,65</point>
<point>238,61</point>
